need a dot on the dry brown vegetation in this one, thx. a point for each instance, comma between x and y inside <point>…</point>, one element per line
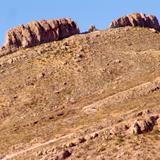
<point>79,98</point>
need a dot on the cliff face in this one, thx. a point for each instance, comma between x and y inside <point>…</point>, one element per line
<point>136,19</point>
<point>38,32</point>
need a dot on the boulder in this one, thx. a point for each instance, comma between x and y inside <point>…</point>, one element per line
<point>136,20</point>
<point>92,28</point>
<point>38,32</point>
<point>63,155</point>
<point>144,125</point>
<point>136,129</point>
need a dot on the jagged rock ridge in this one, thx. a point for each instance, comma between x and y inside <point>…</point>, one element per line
<point>136,19</point>
<point>38,32</point>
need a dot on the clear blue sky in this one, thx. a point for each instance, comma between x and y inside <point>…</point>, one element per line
<point>84,12</point>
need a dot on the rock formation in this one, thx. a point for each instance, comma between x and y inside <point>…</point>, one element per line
<point>136,19</point>
<point>38,32</point>
<point>144,125</point>
<point>92,28</point>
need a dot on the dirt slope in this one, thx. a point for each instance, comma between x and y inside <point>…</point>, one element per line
<point>78,98</point>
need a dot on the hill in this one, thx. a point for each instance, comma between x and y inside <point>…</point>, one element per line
<point>89,96</point>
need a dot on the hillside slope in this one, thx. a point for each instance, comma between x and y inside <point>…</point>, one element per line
<point>79,98</point>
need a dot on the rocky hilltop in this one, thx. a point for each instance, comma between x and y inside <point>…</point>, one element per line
<point>136,20</point>
<point>38,32</point>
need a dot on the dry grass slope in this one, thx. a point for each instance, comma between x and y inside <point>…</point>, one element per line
<point>79,98</point>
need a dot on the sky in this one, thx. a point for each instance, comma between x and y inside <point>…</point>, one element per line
<point>84,12</point>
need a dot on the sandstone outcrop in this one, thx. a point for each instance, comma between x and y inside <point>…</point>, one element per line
<point>136,20</point>
<point>92,28</point>
<point>144,125</point>
<point>38,32</point>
